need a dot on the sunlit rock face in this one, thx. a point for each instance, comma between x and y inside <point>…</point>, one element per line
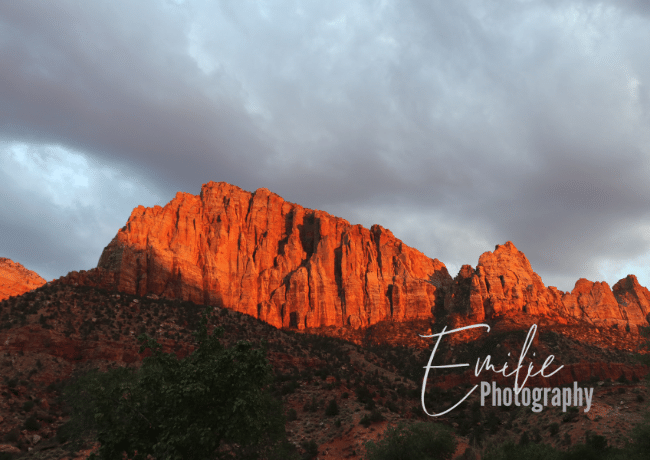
<point>504,283</point>
<point>16,279</point>
<point>296,267</point>
<point>261,255</point>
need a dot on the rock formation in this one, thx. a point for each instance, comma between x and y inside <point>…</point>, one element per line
<point>16,279</point>
<point>261,255</point>
<point>295,267</point>
<point>504,283</point>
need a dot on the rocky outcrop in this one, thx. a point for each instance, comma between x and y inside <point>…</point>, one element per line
<point>633,299</point>
<point>261,255</point>
<point>16,279</point>
<point>504,283</point>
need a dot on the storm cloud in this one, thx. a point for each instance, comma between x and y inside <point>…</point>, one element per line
<point>458,125</point>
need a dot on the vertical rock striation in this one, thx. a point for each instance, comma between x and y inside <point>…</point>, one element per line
<point>261,255</point>
<point>295,267</point>
<point>504,283</point>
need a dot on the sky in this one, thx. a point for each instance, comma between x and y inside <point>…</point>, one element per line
<point>457,125</point>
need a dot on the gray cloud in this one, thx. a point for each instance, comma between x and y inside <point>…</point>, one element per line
<point>459,125</point>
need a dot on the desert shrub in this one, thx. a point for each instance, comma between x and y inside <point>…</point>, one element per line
<point>373,417</point>
<point>571,415</point>
<point>422,441</point>
<point>332,408</point>
<point>32,424</point>
<point>492,422</point>
<point>529,451</point>
<point>363,394</point>
<point>28,405</point>
<point>12,436</point>
<point>311,449</point>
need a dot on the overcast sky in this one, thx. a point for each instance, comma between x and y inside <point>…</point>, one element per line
<point>458,125</point>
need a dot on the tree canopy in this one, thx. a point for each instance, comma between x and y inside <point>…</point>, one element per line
<point>204,406</point>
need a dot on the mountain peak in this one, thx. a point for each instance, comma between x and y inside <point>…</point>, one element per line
<point>261,255</point>
<point>16,279</point>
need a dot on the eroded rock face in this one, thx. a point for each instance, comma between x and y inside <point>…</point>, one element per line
<point>504,283</point>
<point>261,255</point>
<point>295,267</point>
<point>633,299</point>
<point>16,279</point>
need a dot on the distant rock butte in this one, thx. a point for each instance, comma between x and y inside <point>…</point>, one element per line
<point>295,267</point>
<point>16,279</point>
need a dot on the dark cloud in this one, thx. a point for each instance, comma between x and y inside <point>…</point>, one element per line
<point>459,125</point>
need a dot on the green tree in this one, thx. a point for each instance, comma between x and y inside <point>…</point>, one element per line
<point>422,441</point>
<point>208,405</point>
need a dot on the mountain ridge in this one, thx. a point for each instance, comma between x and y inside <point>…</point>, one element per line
<point>300,268</point>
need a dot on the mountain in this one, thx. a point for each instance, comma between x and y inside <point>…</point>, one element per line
<point>261,255</point>
<point>301,268</point>
<point>16,279</point>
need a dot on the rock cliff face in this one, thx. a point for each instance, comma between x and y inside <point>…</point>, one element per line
<point>16,279</point>
<point>295,267</point>
<point>261,255</point>
<point>504,282</point>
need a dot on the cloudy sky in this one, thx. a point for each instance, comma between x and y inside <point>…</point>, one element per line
<point>458,125</point>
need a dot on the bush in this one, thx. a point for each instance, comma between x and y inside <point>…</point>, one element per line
<point>530,451</point>
<point>32,424</point>
<point>332,408</point>
<point>12,436</point>
<point>186,408</point>
<point>311,406</point>
<point>422,441</point>
<point>363,394</point>
<point>571,415</point>
<point>311,449</point>
<point>28,405</point>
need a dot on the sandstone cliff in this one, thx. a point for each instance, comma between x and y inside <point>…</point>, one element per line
<point>504,283</point>
<point>261,255</point>
<point>16,279</point>
<point>295,267</point>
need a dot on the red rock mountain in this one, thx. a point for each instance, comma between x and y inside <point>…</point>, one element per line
<point>504,282</point>
<point>295,267</point>
<point>261,255</point>
<point>16,279</point>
